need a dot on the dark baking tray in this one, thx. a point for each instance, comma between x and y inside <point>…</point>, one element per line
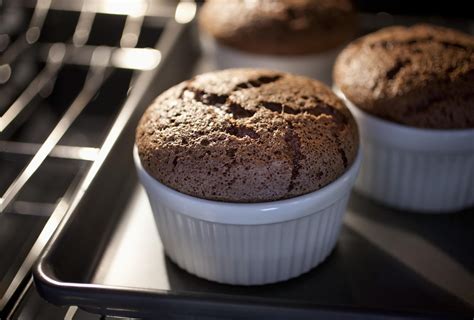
<point>107,258</point>
<point>390,263</point>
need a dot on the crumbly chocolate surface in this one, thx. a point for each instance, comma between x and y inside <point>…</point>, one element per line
<point>244,135</point>
<point>284,27</point>
<point>420,76</point>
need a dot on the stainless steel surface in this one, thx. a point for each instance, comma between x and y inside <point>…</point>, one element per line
<point>122,264</point>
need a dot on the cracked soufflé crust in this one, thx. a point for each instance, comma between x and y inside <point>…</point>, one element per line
<point>420,76</point>
<point>245,135</point>
<point>284,27</point>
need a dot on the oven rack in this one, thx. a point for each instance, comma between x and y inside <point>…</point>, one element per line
<point>72,76</point>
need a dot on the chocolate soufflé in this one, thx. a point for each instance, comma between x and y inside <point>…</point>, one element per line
<point>246,135</point>
<point>284,27</point>
<point>420,76</point>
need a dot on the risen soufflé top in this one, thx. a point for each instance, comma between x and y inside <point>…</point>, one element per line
<point>279,27</point>
<point>246,135</point>
<point>420,76</point>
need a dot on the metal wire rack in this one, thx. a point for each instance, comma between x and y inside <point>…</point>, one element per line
<point>68,71</point>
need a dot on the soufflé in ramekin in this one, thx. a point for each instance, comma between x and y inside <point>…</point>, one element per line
<point>297,36</point>
<point>248,173</point>
<point>411,90</point>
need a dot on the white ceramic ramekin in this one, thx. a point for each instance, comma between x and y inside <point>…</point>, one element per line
<point>317,66</point>
<point>415,169</point>
<point>248,244</point>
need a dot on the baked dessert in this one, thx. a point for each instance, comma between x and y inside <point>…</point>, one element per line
<point>244,135</point>
<point>411,90</point>
<point>420,76</point>
<point>248,173</point>
<point>284,27</point>
<point>296,36</point>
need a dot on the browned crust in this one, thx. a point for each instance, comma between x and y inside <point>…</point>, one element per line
<point>421,76</point>
<point>285,27</point>
<point>245,135</point>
